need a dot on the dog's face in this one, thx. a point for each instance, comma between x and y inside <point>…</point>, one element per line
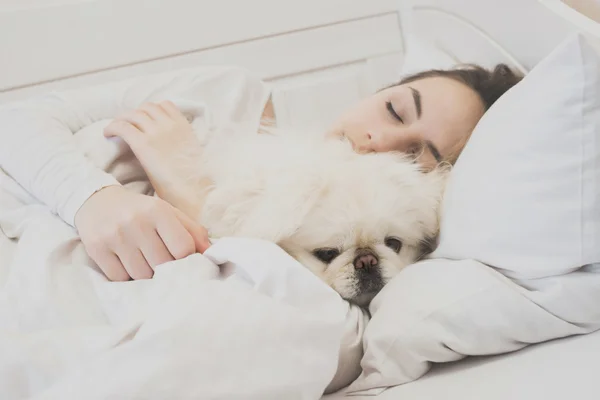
<point>357,262</point>
<point>361,232</point>
<point>353,220</point>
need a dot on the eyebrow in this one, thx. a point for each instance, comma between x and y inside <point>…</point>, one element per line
<point>418,106</point>
<point>417,98</point>
<point>434,151</point>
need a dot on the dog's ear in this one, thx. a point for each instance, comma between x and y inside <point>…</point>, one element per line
<point>427,246</point>
<point>438,178</point>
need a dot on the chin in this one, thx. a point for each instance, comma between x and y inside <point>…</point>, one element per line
<point>354,220</point>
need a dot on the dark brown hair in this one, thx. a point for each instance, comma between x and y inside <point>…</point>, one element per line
<point>489,84</point>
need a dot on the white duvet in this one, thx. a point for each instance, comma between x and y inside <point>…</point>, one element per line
<point>260,326</point>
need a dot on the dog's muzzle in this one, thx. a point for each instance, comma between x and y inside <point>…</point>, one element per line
<point>368,274</point>
<point>365,259</point>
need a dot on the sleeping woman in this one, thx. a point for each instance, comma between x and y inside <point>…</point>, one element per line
<point>429,115</point>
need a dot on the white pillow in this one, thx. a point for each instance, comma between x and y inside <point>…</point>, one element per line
<point>442,310</point>
<point>523,198</point>
<point>524,195</point>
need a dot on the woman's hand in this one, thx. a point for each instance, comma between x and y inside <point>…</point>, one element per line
<point>159,135</point>
<point>128,234</point>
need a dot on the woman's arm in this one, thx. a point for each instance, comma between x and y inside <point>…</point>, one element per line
<point>36,136</point>
<point>125,233</point>
<point>159,135</point>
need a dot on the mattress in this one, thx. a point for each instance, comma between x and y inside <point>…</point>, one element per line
<point>557,370</point>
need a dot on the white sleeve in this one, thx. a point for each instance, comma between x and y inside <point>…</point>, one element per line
<point>38,150</point>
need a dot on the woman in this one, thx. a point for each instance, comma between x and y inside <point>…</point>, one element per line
<point>430,114</point>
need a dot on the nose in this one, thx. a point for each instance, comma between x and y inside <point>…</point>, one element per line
<point>377,141</point>
<point>370,142</point>
<point>365,259</point>
<point>382,140</point>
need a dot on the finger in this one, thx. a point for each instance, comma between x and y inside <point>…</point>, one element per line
<point>198,232</point>
<point>140,119</point>
<point>155,112</point>
<point>175,236</point>
<point>110,264</point>
<point>134,262</point>
<point>122,129</point>
<point>154,250</point>
<point>171,110</point>
<point>144,234</point>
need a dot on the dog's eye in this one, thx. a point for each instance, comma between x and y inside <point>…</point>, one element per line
<point>393,243</point>
<point>326,255</point>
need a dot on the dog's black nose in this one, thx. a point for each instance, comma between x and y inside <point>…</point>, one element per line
<point>365,259</point>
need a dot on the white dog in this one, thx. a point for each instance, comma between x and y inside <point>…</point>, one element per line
<point>354,220</point>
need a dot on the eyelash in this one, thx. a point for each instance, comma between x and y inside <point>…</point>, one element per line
<point>416,151</point>
<point>393,113</point>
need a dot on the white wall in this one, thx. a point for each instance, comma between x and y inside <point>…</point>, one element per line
<point>319,54</point>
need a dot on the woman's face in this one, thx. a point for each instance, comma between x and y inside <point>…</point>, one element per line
<point>430,118</point>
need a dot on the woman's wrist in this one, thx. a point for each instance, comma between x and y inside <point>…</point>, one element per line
<point>86,205</point>
<point>81,190</point>
<point>187,198</point>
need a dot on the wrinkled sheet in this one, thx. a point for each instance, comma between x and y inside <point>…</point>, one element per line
<point>242,321</point>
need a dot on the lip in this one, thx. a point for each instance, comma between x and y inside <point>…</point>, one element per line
<point>357,149</point>
<point>345,138</point>
<point>360,149</point>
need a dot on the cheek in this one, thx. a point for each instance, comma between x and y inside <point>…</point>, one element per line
<point>341,277</point>
<point>360,116</point>
<point>391,263</point>
<point>340,266</point>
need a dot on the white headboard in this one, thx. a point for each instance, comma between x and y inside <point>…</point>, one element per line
<point>581,14</point>
<point>517,32</point>
<point>49,41</point>
<point>320,55</point>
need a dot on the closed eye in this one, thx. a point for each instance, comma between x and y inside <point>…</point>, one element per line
<point>415,150</point>
<point>393,113</point>
<point>434,151</point>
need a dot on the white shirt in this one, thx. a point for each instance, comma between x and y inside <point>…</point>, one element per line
<point>38,150</point>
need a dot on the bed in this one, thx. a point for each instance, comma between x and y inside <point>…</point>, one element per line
<point>548,371</point>
<point>319,57</point>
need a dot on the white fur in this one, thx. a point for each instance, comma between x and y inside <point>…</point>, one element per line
<point>305,192</point>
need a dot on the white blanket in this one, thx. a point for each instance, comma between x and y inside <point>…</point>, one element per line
<point>259,327</point>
